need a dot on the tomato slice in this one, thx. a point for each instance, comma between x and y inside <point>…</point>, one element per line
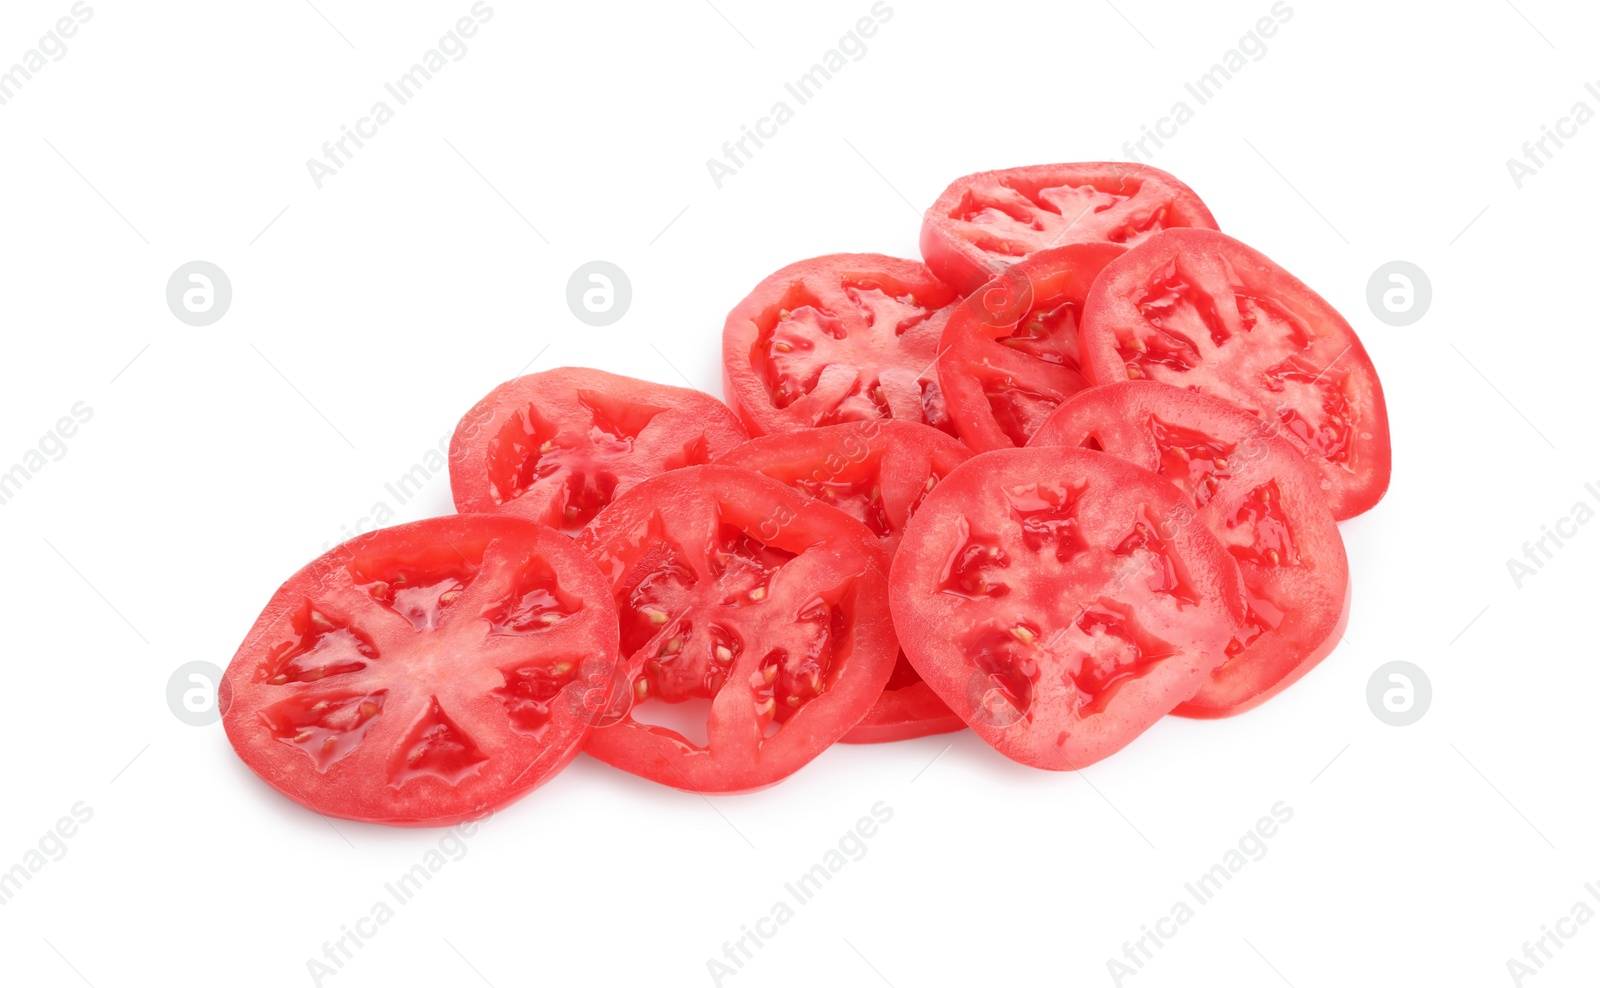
<point>1256,493</point>
<point>877,472</point>
<point>555,447</point>
<point>1203,311</point>
<point>1009,354</point>
<point>1062,601</point>
<point>748,611</point>
<point>986,222</point>
<point>424,674</point>
<point>840,338</point>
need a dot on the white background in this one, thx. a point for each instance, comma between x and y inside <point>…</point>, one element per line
<point>368,316</point>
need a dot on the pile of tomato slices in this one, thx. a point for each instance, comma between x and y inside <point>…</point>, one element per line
<point>1078,469</point>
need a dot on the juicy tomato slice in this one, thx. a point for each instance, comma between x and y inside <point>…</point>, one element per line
<point>749,612</point>
<point>877,472</point>
<point>1062,601</point>
<point>986,222</point>
<point>1256,493</point>
<point>1010,355</point>
<point>840,338</point>
<point>1203,311</point>
<point>556,447</point>
<point>424,674</point>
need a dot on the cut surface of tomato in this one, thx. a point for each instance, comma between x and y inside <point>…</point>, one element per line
<point>424,674</point>
<point>1010,354</point>
<point>877,472</point>
<point>555,447</point>
<point>1062,601</point>
<point>1257,493</point>
<point>1200,310</point>
<point>984,223</point>
<point>752,611</point>
<point>839,338</point>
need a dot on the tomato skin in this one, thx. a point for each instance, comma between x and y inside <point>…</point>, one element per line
<point>604,433</point>
<point>408,682</point>
<point>1062,601</point>
<point>898,462</point>
<point>721,574</point>
<point>862,331</point>
<point>1222,457</point>
<point>1186,308</point>
<point>1111,202</point>
<point>1010,353</point>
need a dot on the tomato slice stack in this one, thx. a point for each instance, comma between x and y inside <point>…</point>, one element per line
<point>1200,310</point>
<point>1010,354</point>
<point>1080,470</point>
<point>1257,493</point>
<point>735,589</point>
<point>879,473</point>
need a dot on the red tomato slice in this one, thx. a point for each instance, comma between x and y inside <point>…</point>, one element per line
<point>555,447</point>
<point>424,674</point>
<point>735,589</point>
<point>841,338</point>
<point>1009,355</point>
<point>877,472</point>
<point>986,222</point>
<point>1062,601</point>
<point>1203,311</point>
<point>1257,494</point>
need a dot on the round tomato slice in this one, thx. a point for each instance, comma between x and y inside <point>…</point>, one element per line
<point>986,222</point>
<point>1256,493</point>
<point>424,674</point>
<point>878,473</point>
<point>1009,354</point>
<point>1203,311</point>
<point>555,447</point>
<point>749,612</point>
<point>1062,601</point>
<point>840,338</point>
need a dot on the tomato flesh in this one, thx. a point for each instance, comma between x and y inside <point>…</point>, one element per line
<point>736,589</point>
<point>986,222</point>
<point>557,446</point>
<point>1009,355</point>
<point>424,674</point>
<point>878,473</point>
<point>1061,601</point>
<point>1199,310</point>
<point>1257,493</point>
<point>835,339</point>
